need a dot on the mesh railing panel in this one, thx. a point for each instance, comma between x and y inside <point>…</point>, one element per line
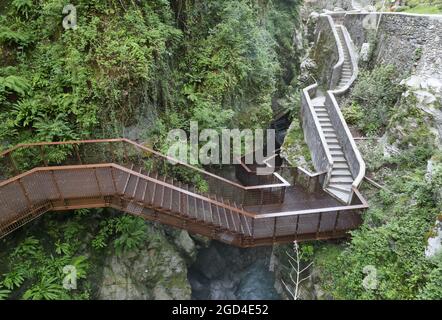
<point>21,197</point>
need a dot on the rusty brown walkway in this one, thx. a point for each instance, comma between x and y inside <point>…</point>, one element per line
<point>118,173</point>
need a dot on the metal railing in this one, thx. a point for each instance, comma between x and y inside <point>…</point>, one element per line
<point>41,177</point>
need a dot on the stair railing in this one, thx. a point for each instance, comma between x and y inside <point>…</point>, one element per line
<point>350,149</point>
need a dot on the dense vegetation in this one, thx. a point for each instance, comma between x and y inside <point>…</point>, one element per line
<point>401,218</point>
<point>185,60</point>
<point>422,6</point>
<point>153,64</point>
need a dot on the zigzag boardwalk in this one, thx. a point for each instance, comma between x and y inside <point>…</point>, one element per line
<point>121,174</point>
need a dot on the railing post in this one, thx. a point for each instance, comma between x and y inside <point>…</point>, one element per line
<point>77,152</point>
<point>253,228</point>
<point>336,222</point>
<point>22,187</point>
<point>98,183</point>
<point>319,225</point>
<point>282,196</point>
<point>126,157</point>
<point>43,156</point>
<point>113,180</point>
<point>13,164</point>
<point>297,226</point>
<point>274,230</point>
<point>112,151</point>
<point>57,187</point>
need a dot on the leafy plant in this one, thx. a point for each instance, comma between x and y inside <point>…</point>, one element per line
<point>4,293</point>
<point>375,94</point>
<point>15,84</point>
<point>47,288</point>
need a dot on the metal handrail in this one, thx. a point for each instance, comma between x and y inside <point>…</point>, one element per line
<point>165,157</point>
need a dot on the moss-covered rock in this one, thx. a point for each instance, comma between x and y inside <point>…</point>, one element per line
<point>154,271</point>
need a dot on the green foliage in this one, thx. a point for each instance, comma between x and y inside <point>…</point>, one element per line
<point>295,148</point>
<point>423,7</point>
<point>127,232</point>
<point>217,62</point>
<point>15,84</point>
<point>372,99</point>
<point>46,289</point>
<point>75,78</point>
<point>353,114</point>
<point>4,293</point>
<point>392,239</point>
<point>56,129</point>
<point>433,287</point>
<point>35,271</point>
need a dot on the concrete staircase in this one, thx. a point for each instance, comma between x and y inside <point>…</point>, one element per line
<point>341,179</point>
<point>346,67</point>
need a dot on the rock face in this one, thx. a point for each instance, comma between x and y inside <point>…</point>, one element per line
<point>435,243</point>
<point>427,90</point>
<point>155,271</point>
<point>410,42</point>
<point>225,272</point>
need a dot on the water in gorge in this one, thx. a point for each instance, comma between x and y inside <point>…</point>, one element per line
<point>226,272</point>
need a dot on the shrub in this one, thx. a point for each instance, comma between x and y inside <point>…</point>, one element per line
<point>373,97</point>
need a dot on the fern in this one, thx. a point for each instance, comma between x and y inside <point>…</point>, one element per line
<point>47,289</point>
<point>25,112</point>
<point>81,265</point>
<point>22,7</point>
<point>10,36</point>
<point>4,293</point>
<point>15,84</point>
<point>13,280</point>
<point>54,129</point>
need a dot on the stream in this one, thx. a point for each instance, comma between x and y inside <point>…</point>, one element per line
<point>226,272</point>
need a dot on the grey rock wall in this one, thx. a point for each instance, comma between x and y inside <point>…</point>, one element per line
<point>413,43</point>
<point>325,52</point>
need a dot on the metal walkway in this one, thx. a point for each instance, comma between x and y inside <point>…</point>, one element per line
<point>121,174</point>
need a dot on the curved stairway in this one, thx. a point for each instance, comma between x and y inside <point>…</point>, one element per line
<point>341,179</point>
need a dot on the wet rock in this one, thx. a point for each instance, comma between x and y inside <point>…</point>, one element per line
<point>225,272</point>
<point>153,271</point>
<point>186,244</point>
<point>434,245</point>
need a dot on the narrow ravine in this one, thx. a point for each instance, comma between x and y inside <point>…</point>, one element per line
<point>225,272</point>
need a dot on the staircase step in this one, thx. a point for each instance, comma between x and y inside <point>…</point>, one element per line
<point>339,159</point>
<point>341,180</point>
<point>341,188</point>
<point>342,196</point>
<point>334,147</point>
<point>332,140</point>
<point>333,144</point>
<point>318,102</point>
<point>344,172</point>
<point>320,109</point>
<point>337,152</point>
<point>340,165</point>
